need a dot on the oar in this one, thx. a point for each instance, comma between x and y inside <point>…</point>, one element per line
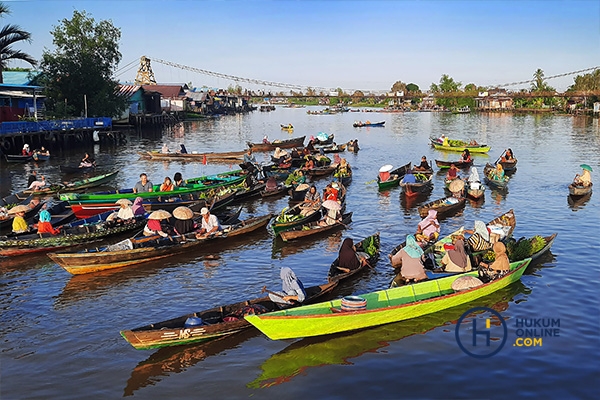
<point>371,181</point>
<point>503,153</point>
<point>264,289</point>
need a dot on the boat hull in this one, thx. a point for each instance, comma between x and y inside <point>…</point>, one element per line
<point>283,144</point>
<point>383,307</point>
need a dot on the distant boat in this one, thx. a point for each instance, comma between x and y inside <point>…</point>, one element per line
<point>360,124</point>
<point>462,110</point>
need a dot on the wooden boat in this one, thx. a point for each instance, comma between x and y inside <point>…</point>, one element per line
<point>287,127</point>
<point>320,171</point>
<point>422,185</point>
<point>460,146</point>
<point>17,158</point>
<point>549,242</point>
<point>313,228</point>
<point>475,194</point>
<point>330,148</point>
<point>510,165</point>
<point>579,190</point>
<point>249,192</point>
<point>76,169</point>
<point>194,185</point>
<point>395,177</point>
<point>281,189</point>
<point>422,171</point>
<point>297,193</point>
<point>290,218</point>
<point>462,110</point>
<point>40,157</point>
<point>370,245</point>
<point>225,157</point>
<point>491,181</point>
<point>445,206</point>
<point>134,251</point>
<point>217,322</point>
<point>72,234</point>
<point>282,144</point>
<point>382,307</point>
<point>83,184</point>
<point>321,140</point>
<point>360,124</point>
<point>34,206</point>
<point>441,164</point>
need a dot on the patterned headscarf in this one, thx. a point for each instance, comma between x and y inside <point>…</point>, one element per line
<point>412,248</point>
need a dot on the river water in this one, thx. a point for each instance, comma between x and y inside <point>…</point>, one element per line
<point>60,333</point>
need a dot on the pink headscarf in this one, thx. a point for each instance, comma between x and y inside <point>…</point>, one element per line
<point>427,225</point>
<point>137,207</point>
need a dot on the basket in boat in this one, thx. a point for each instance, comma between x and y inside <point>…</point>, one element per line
<point>353,303</point>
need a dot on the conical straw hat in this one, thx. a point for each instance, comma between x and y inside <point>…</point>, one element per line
<point>466,282</point>
<point>18,209</point>
<point>159,215</point>
<point>456,185</point>
<point>183,213</point>
<point>124,202</point>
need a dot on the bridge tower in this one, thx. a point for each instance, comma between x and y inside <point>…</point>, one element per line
<point>145,76</point>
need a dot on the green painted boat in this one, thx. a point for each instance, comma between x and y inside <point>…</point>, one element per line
<point>460,146</point>
<point>193,185</point>
<point>82,184</point>
<point>382,307</point>
<point>395,177</point>
<point>290,218</point>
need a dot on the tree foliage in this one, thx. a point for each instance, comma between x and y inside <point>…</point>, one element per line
<point>9,35</point>
<point>86,56</point>
<point>586,82</point>
<point>447,85</point>
<point>412,87</point>
<point>399,86</point>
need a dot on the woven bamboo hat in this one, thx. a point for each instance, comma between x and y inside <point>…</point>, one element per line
<point>124,202</point>
<point>18,209</point>
<point>159,215</point>
<point>183,213</point>
<point>466,282</point>
<point>456,185</point>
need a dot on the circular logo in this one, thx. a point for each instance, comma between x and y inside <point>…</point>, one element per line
<point>481,335</point>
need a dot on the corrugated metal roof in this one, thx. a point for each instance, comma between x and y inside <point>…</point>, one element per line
<point>21,78</point>
<point>167,91</point>
<point>128,90</point>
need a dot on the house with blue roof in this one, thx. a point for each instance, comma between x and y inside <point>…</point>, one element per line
<point>20,98</point>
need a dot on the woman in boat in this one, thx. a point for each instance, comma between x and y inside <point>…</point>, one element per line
<point>424,166</point>
<point>271,184</point>
<point>178,180</point>
<point>343,169</point>
<point>312,201</point>
<point>501,264</point>
<point>26,151</point>
<point>428,229</point>
<point>296,178</point>
<point>480,237</point>
<point>280,156</point>
<point>164,149</point>
<point>86,161</point>
<point>266,140</point>
<point>183,220</point>
<point>155,227</point>
<point>498,173</point>
<point>508,155</point>
<point>583,179</point>
<point>19,224</point>
<point>125,212</point>
<point>37,186</point>
<point>167,185</point>
<point>452,173</point>
<point>331,192</point>
<point>292,289</point>
<point>137,207</point>
<point>456,258</point>
<point>474,180</point>
<point>182,149</point>
<point>465,156</point>
<point>411,258</point>
<point>44,226</point>
<point>409,177</point>
<point>348,258</point>
<point>309,164</point>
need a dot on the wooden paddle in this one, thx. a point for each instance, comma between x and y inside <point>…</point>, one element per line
<point>264,289</point>
<point>503,153</point>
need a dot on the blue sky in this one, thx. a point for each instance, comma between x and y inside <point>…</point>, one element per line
<point>365,45</point>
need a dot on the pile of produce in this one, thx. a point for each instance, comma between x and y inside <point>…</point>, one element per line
<point>519,249</point>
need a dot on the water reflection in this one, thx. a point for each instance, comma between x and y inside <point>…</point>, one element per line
<point>413,202</point>
<point>339,348</point>
<point>576,203</point>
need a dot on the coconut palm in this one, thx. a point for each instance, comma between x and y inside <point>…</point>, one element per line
<point>9,35</point>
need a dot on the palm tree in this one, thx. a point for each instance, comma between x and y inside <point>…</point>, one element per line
<point>9,35</point>
<point>538,84</point>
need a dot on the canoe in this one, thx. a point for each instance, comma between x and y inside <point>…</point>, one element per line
<point>361,124</point>
<point>17,158</point>
<point>370,245</point>
<point>320,141</point>
<point>395,177</point>
<point>225,157</point>
<point>579,190</point>
<point>83,184</point>
<point>288,127</point>
<point>548,241</point>
<point>460,146</point>
<point>345,179</point>
<point>298,195</point>
<point>445,206</point>
<point>40,157</point>
<point>282,144</point>
<point>475,194</point>
<point>320,171</point>
<point>422,171</point>
<point>491,181</point>
<point>216,322</point>
<point>382,307</point>
<point>421,186</point>
<point>313,228</point>
<point>6,222</point>
<point>281,189</point>
<point>72,234</point>
<point>290,218</point>
<point>459,164</point>
<point>76,169</point>
<point>248,193</point>
<point>134,251</point>
<point>509,166</point>
<point>194,185</point>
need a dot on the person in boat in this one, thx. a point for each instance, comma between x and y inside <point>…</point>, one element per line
<point>125,213</point>
<point>249,160</point>
<point>424,166</point>
<point>445,141</point>
<point>441,139</point>
<point>164,149</point>
<point>43,151</point>
<point>456,258</point>
<point>331,192</point>
<point>19,225</point>
<point>411,259</point>
<point>37,186</point>
<point>280,156</point>
<point>409,177</point>
<point>473,179</point>
<point>312,201</point>
<point>343,169</point>
<point>137,207</point>
<point>480,238</point>
<point>183,223</point>
<point>44,225</point>
<point>310,147</point>
<point>292,289</point>
<point>452,172</point>
<point>348,258</point>
<point>583,179</point>
<point>32,178</point>
<point>271,184</point>
<point>296,178</point>
<point>501,264</point>
<point>498,173</point>
<point>295,154</point>
<point>26,151</point>
<point>143,185</point>
<point>309,164</point>
<point>167,185</point>
<point>507,156</point>
<point>87,161</point>
<point>182,149</point>
<point>156,227</point>
<point>210,224</point>
<point>465,156</point>
<point>265,140</point>
<point>428,230</point>
<point>473,143</point>
<point>178,180</point>
<point>331,217</point>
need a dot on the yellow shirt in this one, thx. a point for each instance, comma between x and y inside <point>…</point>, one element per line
<point>19,225</point>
